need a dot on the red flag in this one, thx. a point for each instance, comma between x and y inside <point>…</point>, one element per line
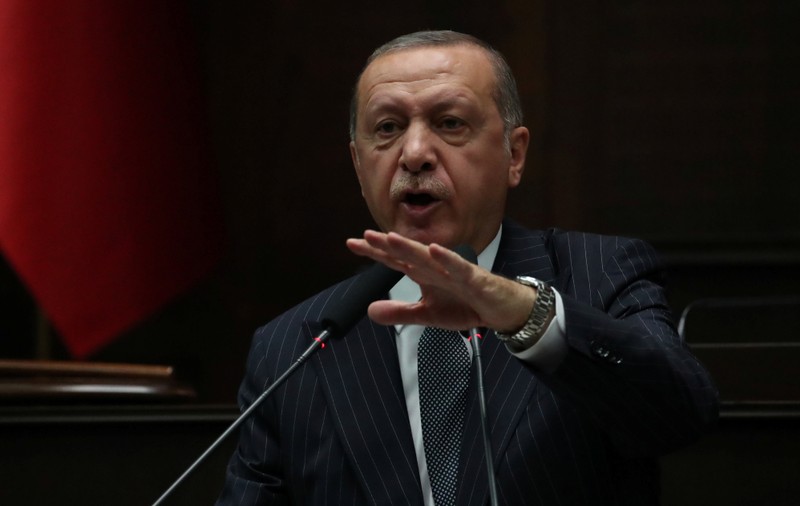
<point>107,207</point>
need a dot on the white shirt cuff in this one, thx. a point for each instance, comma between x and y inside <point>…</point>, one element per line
<point>550,350</point>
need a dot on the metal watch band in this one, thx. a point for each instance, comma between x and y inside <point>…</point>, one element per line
<point>534,327</point>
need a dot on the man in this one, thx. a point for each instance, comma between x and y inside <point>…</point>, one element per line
<point>587,381</point>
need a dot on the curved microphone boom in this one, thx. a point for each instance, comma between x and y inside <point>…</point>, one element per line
<point>337,318</point>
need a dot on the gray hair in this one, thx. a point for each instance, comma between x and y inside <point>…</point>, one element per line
<point>505,95</point>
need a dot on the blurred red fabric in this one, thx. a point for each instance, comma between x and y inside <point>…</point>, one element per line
<point>108,205</point>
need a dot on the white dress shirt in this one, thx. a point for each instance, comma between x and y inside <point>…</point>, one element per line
<point>546,355</point>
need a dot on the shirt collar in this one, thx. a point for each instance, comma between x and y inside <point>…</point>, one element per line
<point>408,291</point>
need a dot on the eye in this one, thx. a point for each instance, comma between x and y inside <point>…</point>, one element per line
<point>387,128</point>
<point>451,123</point>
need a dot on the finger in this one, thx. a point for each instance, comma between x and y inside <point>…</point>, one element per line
<point>415,255</point>
<point>362,247</point>
<point>394,312</point>
<point>409,256</point>
<point>377,240</point>
<point>459,269</point>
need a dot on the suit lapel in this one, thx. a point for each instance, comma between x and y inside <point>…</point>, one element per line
<point>360,377</point>
<point>509,384</point>
<point>361,380</point>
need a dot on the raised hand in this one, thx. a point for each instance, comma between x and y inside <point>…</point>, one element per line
<point>456,294</point>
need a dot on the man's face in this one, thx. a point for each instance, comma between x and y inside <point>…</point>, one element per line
<point>429,148</point>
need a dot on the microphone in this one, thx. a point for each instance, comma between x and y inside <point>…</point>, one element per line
<point>468,254</point>
<point>337,319</point>
<point>342,314</point>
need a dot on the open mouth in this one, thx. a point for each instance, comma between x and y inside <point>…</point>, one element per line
<point>419,199</point>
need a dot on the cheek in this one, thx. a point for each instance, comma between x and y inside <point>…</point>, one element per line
<point>369,171</point>
<point>375,188</point>
<point>482,180</point>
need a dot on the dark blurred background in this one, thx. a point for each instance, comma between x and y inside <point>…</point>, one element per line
<point>677,122</point>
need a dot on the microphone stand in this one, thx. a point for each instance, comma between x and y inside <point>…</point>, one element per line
<point>319,342</point>
<point>338,317</point>
<point>468,254</point>
<point>487,444</point>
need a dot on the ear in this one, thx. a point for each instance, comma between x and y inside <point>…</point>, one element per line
<point>356,164</point>
<point>354,155</point>
<point>518,145</point>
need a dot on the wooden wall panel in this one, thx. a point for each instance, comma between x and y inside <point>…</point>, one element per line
<point>674,121</point>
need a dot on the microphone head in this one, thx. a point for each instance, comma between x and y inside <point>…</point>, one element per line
<point>466,252</point>
<point>340,315</point>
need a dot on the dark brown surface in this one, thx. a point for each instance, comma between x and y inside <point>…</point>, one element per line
<point>37,381</point>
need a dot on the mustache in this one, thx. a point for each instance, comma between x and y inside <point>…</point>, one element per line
<point>409,182</point>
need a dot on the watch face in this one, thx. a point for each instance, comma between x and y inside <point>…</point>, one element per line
<point>531,281</point>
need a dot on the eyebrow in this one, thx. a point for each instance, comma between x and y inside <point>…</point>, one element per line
<point>393,104</point>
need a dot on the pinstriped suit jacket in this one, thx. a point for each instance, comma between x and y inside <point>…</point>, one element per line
<point>338,433</point>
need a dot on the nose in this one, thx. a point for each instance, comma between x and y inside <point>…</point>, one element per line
<point>418,149</point>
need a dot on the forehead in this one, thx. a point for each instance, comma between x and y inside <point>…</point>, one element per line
<point>447,68</point>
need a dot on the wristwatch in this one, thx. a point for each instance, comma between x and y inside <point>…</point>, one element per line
<point>535,326</point>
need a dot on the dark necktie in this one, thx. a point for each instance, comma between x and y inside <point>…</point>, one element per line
<point>443,366</point>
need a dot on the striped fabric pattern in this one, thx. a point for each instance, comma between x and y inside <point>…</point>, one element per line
<point>337,432</point>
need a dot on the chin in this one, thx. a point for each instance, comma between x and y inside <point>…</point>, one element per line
<point>424,236</point>
<point>445,240</point>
